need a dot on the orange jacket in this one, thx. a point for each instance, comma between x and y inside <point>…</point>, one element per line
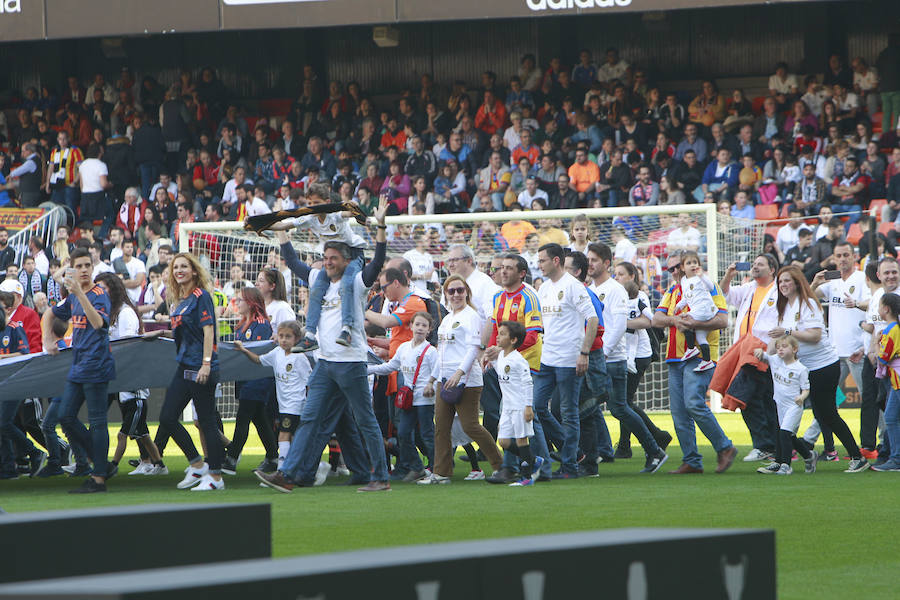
<point>730,363</point>
<point>491,122</point>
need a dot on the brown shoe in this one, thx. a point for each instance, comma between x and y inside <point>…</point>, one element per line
<point>276,481</point>
<point>685,469</point>
<point>375,486</point>
<point>725,458</point>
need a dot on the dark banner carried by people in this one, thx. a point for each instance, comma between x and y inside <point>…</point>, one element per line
<point>268,14</point>
<point>21,20</point>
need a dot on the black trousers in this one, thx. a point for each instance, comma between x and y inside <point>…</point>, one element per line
<point>180,392</point>
<point>823,384</point>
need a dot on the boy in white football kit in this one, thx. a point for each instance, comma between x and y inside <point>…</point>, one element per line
<point>791,384</point>
<point>696,288</point>
<point>328,227</point>
<point>516,409</point>
<point>291,375</point>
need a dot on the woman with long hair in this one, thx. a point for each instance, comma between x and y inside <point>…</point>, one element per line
<point>459,374</point>
<point>193,313</point>
<point>638,334</point>
<point>800,315</point>
<point>124,322</point>
<point>579,231</point>
<point>270,283</point>
<point>708,107</point>
<point>252,395</point>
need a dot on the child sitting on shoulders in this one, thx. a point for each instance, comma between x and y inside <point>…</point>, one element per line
<point>696,295</point>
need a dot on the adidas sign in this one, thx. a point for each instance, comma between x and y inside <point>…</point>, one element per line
<point>568,4</point>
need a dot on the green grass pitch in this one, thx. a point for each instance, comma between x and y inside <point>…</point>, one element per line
<point>836,532</point>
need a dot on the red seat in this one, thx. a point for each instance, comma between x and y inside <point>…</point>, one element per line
<point>766,212</point>
<point>275,107</point>
<point>875,207</point>
<point>854,234</point>
<point>758,104</point>
<point>773,231</point>
<point>884,228</point>
<point>783,213</point>
<point>876,122</point>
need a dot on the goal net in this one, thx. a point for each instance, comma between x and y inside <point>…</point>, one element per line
<point>647,231</point>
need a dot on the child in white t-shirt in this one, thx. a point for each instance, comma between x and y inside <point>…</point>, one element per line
<point>329,227</point>
<point>415,359</point>
<point>696,294</point>
<point>791,385</point>
<point>516,413</point>
<point>292,373</point>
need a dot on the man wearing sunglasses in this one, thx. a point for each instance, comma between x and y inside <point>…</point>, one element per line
<point>687,388</point>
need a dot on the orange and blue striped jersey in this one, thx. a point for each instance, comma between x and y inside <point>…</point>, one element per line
<point>92,361</point>
<point>676,345</point>
<point>521,306</point>
<point>890,350</point>
<point>13,340</point>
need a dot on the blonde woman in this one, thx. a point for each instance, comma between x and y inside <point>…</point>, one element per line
<point>193,314</point>
<point>458,381</point>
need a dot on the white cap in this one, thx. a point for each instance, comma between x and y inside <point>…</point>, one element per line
<point>12,285</point>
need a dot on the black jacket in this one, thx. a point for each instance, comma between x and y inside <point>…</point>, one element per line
<point>148,144</point>
<point>119,159</point>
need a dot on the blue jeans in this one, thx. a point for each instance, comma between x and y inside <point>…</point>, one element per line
<point>11,436</point>
<point>66,196</point>
<point>617,403</point>
<point>892,424</point>
<point>612,200</point>
<point>421,417</point>
<point>334,387</point>
<point>320,286</point>
<point>149,176</point>
<point>48,427</point>
<point>564,381</point>
<point>687,401</point>
<point>855,213</point>
<point>97,441</point>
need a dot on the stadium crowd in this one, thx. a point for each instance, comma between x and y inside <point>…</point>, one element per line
<point>133,160</point>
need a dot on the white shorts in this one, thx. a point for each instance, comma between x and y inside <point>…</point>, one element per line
<point>513,425</point>
<point>704,310</point>
<point>789,415</point>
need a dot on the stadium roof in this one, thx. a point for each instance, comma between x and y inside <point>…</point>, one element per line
<point>59,19</point>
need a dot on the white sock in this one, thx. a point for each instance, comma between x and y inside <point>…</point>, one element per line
<point>283,448</point>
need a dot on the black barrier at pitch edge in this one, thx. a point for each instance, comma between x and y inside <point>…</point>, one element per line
<point>69,543</point>
<point>628,564</point>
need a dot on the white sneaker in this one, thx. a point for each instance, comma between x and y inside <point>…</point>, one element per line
<point>193,477</point>
<point>208,484</point>
<point>756,455</point>
<point>342,470</point>
<point>784,469</point>
<point>322,473</point>
<point>142,469</point>
<point>705,365</point>
<point>157,470</point>
<point>475,476</point>
<point>689,354</point>
<point>69,468</point>
<point>433,479</point>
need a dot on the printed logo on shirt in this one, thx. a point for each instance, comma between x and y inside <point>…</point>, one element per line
<point>852,287</point>
<point>455,325</point>
<point>506,369</point>
<point>797,316</point>
<point>6,341</point>
<point>332,227</point>
<point>771,302</point>
<point>289,367</point>
<point>560,295</point>
<point>247,335</point>
<point>791,374</point>
<point>286,422</point>
<point>601,297</point>
<point>515,307</point>
<point>692,286</point>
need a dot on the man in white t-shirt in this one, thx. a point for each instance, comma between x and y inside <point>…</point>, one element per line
<point>339,381</point>
<point>565,307</point>
<point>788,235</point>
<point>873,390</point>
<point>865,83</point>
<point>844,296</point>
<point>757,314</point>
<point>252,204</point>
<point>94,178</point>
<point>615,348</point>
<point>684,237</point>
<point>238,178</point>
<point>132,271</point>
<point>531,193</point>
<point>421,261</point>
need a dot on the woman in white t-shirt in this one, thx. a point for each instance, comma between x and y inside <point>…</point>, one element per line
<point>270,283</point>
<point>641,350</point>
<point>800,315</point>
<point>458,366</point>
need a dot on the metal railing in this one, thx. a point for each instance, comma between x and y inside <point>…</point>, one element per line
<point>43,227</point>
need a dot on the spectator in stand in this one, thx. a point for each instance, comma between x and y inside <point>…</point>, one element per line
<point>491,115</point>
<point>783,87</point>
<point>585,72</point>
<point>743,208</point>
<point>62,173</point>
<point>823,251</point>
<point>685,237</point>
<point>525,149</point>
<point>799,119</point>
<point>789,234</point>
<point>800,255</point>
<point>847,105</point>
<point>121,166</point>
<point>493,181</point>
<point>708,107</point>
<point>865,83</point>
<point>614,69</point>
<point>421,162</point>
<point>615,181</point>
<point>769,124</point>
<point>530,73</point>
<point>888,65</point>
<point>645,191</point>
<point>563,196</point>
<point>94,177</point>
<point>850,191</point>
<point>531,193</point>
<point>720,177</point>
<point>149,152</point>
<point>583,176</point>
<point>318,157</point>
<point>77,126</point>
<point>693,142</point>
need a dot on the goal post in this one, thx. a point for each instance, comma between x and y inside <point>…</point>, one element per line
<point>722,240</point>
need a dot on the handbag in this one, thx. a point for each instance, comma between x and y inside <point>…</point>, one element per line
<point>453,395</point>
<point>404,397</point>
